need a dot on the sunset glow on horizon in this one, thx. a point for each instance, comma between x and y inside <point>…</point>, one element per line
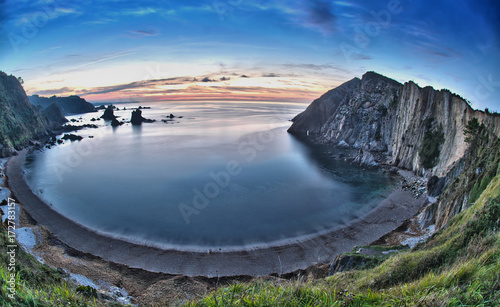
<point>279,50</point>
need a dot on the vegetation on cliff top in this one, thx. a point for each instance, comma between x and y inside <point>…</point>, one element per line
<point>39,285</point>
<point>19,121</point>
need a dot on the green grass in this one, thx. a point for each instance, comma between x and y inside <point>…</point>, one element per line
<point>458,266</point>
<point>38,284</point>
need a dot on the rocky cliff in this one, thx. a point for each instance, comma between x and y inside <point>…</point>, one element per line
<point>20,122</point>
<point>68,105</point>
<point>393,122</point>
<point>385,122</point>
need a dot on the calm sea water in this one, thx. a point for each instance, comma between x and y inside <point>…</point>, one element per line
<point>224,175</point>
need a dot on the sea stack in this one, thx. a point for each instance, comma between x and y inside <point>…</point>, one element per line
<point>108,113</point>
<point>137,118</point>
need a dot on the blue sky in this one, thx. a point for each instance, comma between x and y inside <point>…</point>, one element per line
<point>266,50</point>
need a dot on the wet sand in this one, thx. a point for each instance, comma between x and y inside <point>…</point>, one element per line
<point>392,212</point>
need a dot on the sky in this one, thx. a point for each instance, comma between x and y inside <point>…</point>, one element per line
<point>273,50</point>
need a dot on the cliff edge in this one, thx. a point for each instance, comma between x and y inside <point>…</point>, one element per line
<point>394,122</point>
<point>20,121</point>
<point>385,122</point>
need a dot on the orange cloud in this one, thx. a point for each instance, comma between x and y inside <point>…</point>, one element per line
<point>284,89</point>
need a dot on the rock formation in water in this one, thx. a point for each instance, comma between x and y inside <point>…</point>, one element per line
<point>20,122</point>
<point>137,118</point>
<point>383,121</point>
<point>109,113</point>
<point>54,116</point>
<point>116,123</point>
<point>68,105</point>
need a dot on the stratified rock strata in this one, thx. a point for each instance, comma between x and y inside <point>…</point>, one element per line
<point>385,122</point>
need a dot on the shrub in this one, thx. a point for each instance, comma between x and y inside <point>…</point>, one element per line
<point>430,148</point>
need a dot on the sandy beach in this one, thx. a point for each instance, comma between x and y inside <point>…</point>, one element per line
<point>399,206</point>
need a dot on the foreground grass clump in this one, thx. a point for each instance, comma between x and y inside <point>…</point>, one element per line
<point>458,266</point>
<point>38,284</point>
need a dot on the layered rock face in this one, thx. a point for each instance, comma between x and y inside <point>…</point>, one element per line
<point>404,125</point>
<point>20,121</point>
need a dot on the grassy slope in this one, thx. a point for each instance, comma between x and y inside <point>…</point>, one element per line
<point>459,266</point>
<point>38,284</point>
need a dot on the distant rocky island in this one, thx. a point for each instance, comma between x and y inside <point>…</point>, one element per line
<point>69,105</point>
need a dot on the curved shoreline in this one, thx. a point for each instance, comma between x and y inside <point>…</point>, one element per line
<point>280,259</point>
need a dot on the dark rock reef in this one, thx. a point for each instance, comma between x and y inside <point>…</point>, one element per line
<point>72,137</point>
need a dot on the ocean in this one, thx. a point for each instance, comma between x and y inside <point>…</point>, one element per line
<point>219,175</point>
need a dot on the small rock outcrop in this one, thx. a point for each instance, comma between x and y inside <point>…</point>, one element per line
<point>72,137</point>
<point>109,113</point>
<point>116,123</point>
<point>137,118</point>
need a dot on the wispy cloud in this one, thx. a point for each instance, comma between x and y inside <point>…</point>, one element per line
<point>133,85</point>
<point>270,75</point>
<point>100,21</point>
<point>434,50</point>
<point>47,12</point>
<point>319,14</point>
<point>317,67</point>
<point>138,34</point>
<point>114,56</point>
<point>189,88</point>
<point>51,92</point>
<point>141,11</point>
<point>360,57</point>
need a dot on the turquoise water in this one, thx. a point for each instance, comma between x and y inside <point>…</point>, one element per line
<point>224,175</point>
